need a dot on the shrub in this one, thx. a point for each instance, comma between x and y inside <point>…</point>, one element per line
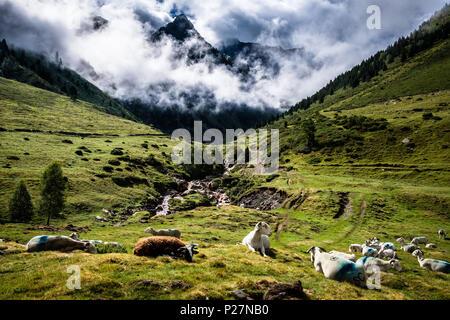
<point>114,162</point>
<point>427,116</point>
<point>117,152</point>
<point>130,181</point>
<point>20,206</point>
<point>189,202</point>
<point>108,169</point>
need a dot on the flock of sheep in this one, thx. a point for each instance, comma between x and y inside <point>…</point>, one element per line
<point>334,264</point>
<point>344,267</point>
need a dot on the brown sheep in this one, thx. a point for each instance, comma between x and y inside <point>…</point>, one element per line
<point>164,245</point>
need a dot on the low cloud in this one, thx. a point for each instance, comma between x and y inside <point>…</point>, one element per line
<point>120,59</point>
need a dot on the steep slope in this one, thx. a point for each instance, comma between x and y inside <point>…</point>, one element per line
<point>399,115</point>
<point>36,70</point>
<point>39,126</point>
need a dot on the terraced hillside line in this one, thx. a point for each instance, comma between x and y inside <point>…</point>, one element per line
<point>84,134</point>
<point>361,216</point>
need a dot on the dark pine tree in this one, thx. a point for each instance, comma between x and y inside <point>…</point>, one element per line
<point>20,206</point>
<point>53,186</point>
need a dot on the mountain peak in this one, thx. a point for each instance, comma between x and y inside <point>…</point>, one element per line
<point>181,28</point>
<point>183,22</point>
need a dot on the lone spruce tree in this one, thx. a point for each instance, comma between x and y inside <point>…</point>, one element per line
<point>53,187</point>
<point>20,206</point>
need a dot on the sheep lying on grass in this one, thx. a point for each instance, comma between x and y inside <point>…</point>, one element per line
<point>58,243</point>
<point>387,245</point>
<point>431,246</point>
<point>387,253</point>
<point>350,257</point>
<point>419,240</point>
<point>164,232</point>
<point>102,247</point>
<point>407,247</point>
<point>442,234</point>
<point>163,245</point>
<point>432,264</point>
<point>369,252</point>
<point>370,262</point>
<point>258,239</point>
<point>337,268</point>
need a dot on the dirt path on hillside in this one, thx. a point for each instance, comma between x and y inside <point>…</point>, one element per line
<point>348,210</point>
<point>361,216</point>
<point>280,228</point>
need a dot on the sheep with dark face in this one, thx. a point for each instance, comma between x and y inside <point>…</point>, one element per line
<point>164,245</point>
<point>441,234</point>
<point>58,243</point>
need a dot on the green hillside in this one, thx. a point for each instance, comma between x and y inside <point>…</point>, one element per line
<point>38,126</point>
<point>37,70</point>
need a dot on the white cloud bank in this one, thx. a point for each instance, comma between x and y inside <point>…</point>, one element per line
<point>127,65</point>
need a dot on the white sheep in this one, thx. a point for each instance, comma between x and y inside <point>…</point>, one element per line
<point>407,247</point>
<point>431,246</point>
<point>258,239</point>
<point>370,262</point>
<point>58,243</point>
<point>442,234</point>
<point>419,240</point>
<point>375,240</point>
<point>371,244</point>
<point>354,248</point>
<point>164,232</point>
<point>337,268</point>
<point>388,245</point>
<point>369,252</point>
<point>350,257</point>
<point>75,236</point>
<point>96,243</point>
<point>387,253</point>
<point>432,264</point>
